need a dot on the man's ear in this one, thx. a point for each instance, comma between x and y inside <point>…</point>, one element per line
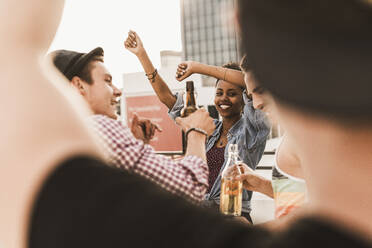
<point>78,83</point>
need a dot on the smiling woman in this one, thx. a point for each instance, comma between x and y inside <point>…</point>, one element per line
<point>241,124</point>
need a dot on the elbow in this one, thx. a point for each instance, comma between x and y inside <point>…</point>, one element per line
<point>167,101</point>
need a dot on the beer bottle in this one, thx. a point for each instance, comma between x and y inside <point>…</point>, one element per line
<point>189,100</point>
<point>231,190</point>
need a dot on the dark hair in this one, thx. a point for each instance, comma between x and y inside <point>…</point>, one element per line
<point>323,47</point>
<point>233,66</point>
<point>85,74</point>
<point>245,64</point>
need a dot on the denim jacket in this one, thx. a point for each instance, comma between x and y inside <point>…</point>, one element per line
<point>249,132</point>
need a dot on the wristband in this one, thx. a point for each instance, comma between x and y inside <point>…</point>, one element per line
<point>151,76</point>
<point>199,130</point>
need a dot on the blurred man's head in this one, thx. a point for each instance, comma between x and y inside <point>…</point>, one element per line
<point>29,30</point>
<point>88,74</point>
<point>254,91</point>
<point>313,55</point>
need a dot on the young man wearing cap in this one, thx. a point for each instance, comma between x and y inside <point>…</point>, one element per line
<point>187,177</point>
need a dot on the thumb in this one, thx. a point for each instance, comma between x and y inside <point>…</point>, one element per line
<point>157,127</point>
<point>179,120</point>
<point>135,120</point>
<point>241,177</point>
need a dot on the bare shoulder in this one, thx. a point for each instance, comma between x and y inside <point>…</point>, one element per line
<point>287,158</point>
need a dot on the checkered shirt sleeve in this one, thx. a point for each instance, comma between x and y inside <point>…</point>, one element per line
<point>187,177</point>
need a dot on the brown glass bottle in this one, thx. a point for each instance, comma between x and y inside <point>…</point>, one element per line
<point>189,100</point>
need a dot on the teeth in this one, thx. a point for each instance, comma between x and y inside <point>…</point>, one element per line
<point>224,106</point>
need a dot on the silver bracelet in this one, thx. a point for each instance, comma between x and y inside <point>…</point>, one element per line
<point>199,130</point>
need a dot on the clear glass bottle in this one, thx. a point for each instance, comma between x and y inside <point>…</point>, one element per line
<point>189,100</point>
<point>231,190</point>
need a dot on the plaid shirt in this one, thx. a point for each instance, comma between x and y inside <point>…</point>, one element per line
<point>187,177</point>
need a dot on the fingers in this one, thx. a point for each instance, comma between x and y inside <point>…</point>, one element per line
<point>131,41</point>
<point>130,44</point>
<point>152,132</point>
<point>132,34</point>
<point>179,121</point>
<point>241,177</point>
<point>148,128</point>
<point>181,71</point>
<point>135,120</point>
<point>182,66</point>
<point>153,128</point>
<point>245,169</point>
<point>157,127</point>
<point>183,123</point>
<point>199,119</point>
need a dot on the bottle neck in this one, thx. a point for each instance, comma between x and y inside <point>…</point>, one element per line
<point>233,157</point>
<point>231,160</point>
<point>190,98</point>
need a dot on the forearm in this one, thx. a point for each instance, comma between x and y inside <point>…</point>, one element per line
<point>160,87</point>
<point>266,187</point>
<point>196,145</point>
<point>230,75</point>
<point>187,177</point>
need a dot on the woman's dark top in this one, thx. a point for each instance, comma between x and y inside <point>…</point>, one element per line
<point>215,160</point>
<point>85,203</point>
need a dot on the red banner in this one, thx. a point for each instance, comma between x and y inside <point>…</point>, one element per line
<point>149,106</point>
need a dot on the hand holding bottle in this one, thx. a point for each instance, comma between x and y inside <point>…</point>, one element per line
<point>252,181</point>
<point>199,119</point>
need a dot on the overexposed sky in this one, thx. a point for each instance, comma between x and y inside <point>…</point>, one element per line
<point>87,24</point>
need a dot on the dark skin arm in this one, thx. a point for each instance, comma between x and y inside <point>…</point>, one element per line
<point>187,68</point>
<point>134,44</point>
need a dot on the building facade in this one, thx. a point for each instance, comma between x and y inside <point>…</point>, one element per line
<point>208,31</point>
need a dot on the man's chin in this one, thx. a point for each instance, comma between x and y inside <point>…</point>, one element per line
<point>112,115</point>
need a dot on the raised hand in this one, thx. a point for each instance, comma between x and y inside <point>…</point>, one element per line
<point>185,69</point>
<point>144,129</point>
<point>133,43</point>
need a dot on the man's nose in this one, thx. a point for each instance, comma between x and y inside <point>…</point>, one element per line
<point>117,92</point>
<point>257,103</point>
